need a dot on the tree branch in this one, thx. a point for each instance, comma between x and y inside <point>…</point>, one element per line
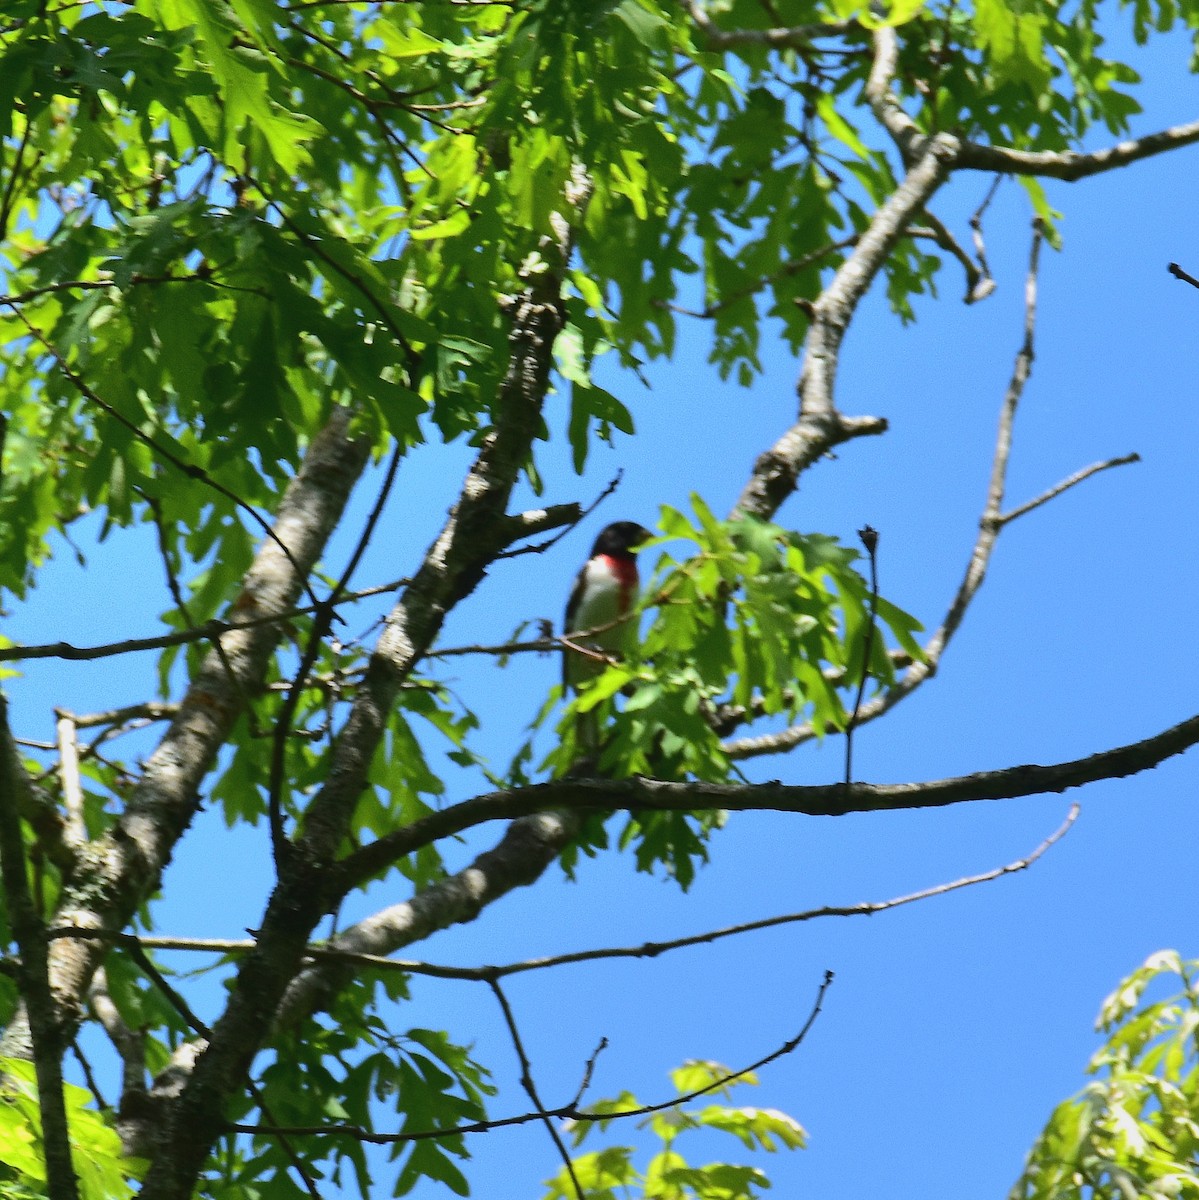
<point>529,845</point>
<point>327,955</point>
<point>888,112</point>
<point>979,282</point>
<point>779,38</point>
<point>526,1081</point>
<point>205,632</point>
<point>124,867</point>
<point>567,1112</point>
<point>478,528</point>
<point>1179,273</point>
<point>816,800</point>
<point>47,1036</point>
<point>820,426</point>
<point>1066,484</point>
<point>1072,165</point>
<point>68,768</point>
<point>989,526</point>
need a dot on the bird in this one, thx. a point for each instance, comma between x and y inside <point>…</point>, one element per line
<point>604,594</point>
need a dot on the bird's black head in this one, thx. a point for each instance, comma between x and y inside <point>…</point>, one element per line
<point>620,538</point>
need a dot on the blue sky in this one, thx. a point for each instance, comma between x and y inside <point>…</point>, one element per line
<point>954,1025</point>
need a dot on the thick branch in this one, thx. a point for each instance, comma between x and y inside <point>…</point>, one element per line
<point>124,867</point>
<point>781,37</point>
<point>990,524</point>
<point>46,1038</point>
<point>1071,165</point>
<point>882,99</point>
<point>816,800</point>
<point>528,847</point>
<point>478,529</point>
<point>820,426</point>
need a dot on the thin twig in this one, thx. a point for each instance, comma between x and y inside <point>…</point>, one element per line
<point>1179,273</point>
<point>320,629</point>
<point>588,1071</point>
<point>317,953</point>
<point>526,1081</point>
<point>68,768</point>
<point>869,537</point>
<point>209,630</point>
<point>207,275</point>
<point>976,226</point>
<point>566,1113</point>
<point>1067,483</point>
<point>979,284</point>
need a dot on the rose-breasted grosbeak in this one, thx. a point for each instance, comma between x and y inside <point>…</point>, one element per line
<point>605,592</point>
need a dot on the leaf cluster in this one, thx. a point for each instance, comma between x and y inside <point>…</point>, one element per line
<point>612,1171</point>
<point>104,1172</point>
<point>1133,1131</point>
<point>754,623</point>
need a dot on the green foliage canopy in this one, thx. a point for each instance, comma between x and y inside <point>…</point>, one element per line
<point>227,226</point>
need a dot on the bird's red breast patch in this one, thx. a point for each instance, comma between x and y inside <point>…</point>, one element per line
<point>624,571</point>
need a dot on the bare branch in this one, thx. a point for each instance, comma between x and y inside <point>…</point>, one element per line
<point>783,37</point>
<point>68,768</point>
<point>820,426</point>
<point>979,283</point>
<point>1066,484</point>
<point>124,866</point>
<point>882,99</point>
<point>528,846</point>
<point>46,1037</point>
<point>976,227</point>
<point>1071,165</point>
<point>321,625</point>
<point>526,1081</point>
<point>563,517</point>
<point>566,1113</point>
<point>130,1044</point>
<point>151,710</point>
<point>989,526</point>
<point>817,800</point>
<point>588,1071</point>
<point>206,632</point>
<point>327,953</point>
<point>1179,273</point>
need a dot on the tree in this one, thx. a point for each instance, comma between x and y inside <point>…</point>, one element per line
<point>254,253</point>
